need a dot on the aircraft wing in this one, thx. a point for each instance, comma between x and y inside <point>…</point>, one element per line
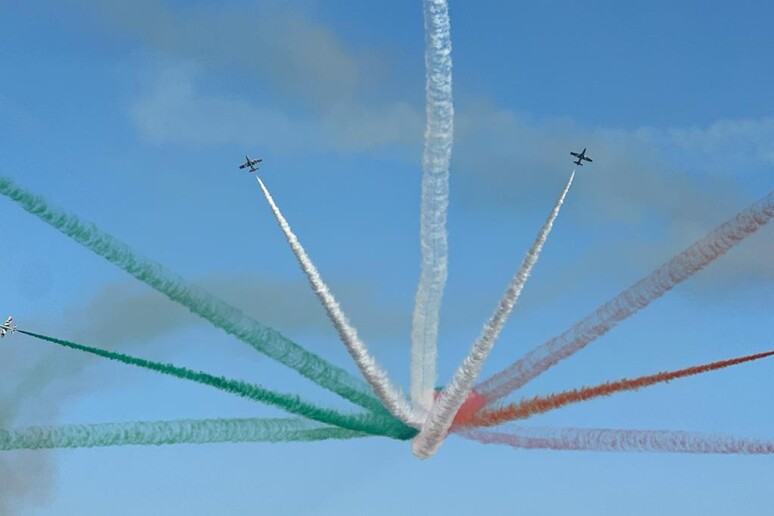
<point>575,154</point>
<point>587,159</point>
<point>243,166</point>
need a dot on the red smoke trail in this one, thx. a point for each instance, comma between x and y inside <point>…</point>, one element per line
<point>714,245</point>
<point>539,404</point>
<point>609,440</point>
<point>467,412</point>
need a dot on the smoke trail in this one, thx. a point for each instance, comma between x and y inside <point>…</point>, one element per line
<point>681,267</point>
<point>608,440</point>
<point>197,300</point>
<point>451,399</point>
<point>376,377</point>
<point>368,423</point>
<point>157,433</point>
<point>439,134</point>
<point>540,404</point>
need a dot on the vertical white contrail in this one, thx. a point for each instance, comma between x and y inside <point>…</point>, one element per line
<point>439,421</point>
<point>439,134</point>
<point>377,378</point>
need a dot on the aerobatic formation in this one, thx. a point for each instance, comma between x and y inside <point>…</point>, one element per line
<point>428,414</point>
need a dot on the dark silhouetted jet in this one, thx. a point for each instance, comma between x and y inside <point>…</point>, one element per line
<point>581,157</point>
<point>250,163</point>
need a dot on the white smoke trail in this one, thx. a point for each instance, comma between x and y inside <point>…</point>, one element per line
<point>439,134</point>
<point>392,399</point>
<point>449,402</point>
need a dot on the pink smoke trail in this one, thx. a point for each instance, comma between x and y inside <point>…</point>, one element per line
<point>610,440</point>
<point>681,267</point>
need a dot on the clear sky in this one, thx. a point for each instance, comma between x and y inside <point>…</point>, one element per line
<point>135,114</point>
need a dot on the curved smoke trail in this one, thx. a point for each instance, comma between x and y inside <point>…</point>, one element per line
<point>451,399</point>
<point>376,377</point>
<point>368,423</point>
<point>540,404</point>
<point>609,440</point>
<point>681,267</point>
<point>439,134</point>
<point>197,300</point>
<point>157,433</point>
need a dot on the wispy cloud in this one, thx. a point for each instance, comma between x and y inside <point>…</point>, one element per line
<point>638,184</point>
<point>732,142</point>
<point>322,89</point>
<point>272,43</point>
<point>173,110</point>
<point>124,313</point>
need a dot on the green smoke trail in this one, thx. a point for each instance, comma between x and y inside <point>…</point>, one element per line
<point>197,300</point>
<point>376,424</point>
<point>157,433</point>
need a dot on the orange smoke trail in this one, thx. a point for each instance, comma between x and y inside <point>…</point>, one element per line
<point>540,404</point>
<point>610,440</point>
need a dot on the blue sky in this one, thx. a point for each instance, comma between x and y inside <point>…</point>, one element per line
<point>135,114</point>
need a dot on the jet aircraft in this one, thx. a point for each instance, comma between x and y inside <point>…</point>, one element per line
<point>581,157</point>
<point>250,163</point>
<point>6,327</point>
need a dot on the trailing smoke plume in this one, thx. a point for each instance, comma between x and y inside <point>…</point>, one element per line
<point>157,433</point>
<point>439,136</point>
<point>608,440</point>
<point>540,404</point>
<point>197,300</point>
<point>681,267</point>
<point>368,423</point>
<point>451,399</point>
<point>376,377</point>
